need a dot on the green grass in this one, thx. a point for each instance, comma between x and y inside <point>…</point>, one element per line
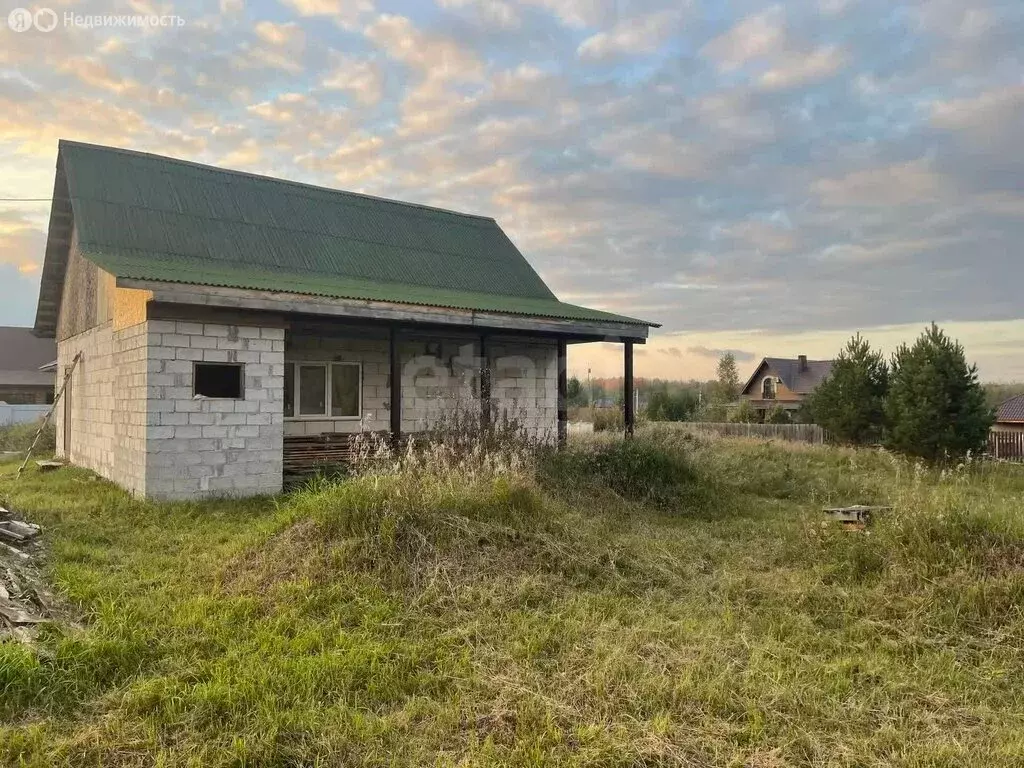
<point>672,602</point>
<point>18,437</point>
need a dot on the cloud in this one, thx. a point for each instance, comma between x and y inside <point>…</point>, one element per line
<point>435,56</point>
<point>758,35</point>
<point>347,14</point>
<point>289,35</point>
<point>21,243</point>
<point>498,13</point>
<point>640,34</point>
<point>766,236</point>
<point>656,152</point>
<point>364,80</point>
<point>283,109</point>
<point>741,356</point>
<point>798,68</point>
<point>994,119</point>
<point>910,183</point>
<point>579,13</point>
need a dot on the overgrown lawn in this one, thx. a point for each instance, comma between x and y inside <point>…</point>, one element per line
<point>668,602</point>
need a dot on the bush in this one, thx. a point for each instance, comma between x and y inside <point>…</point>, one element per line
<point>608,420</point>
<point>777,415</point>
<point>18,437</point>
<point>638,469</point>
<point>666,405</point>
<point>744,413</point>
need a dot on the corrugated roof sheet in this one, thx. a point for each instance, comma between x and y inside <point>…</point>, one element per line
<point>1011,410</point>
<point>154,218</point>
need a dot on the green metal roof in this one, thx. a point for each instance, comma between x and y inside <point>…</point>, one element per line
<point>154,218</point>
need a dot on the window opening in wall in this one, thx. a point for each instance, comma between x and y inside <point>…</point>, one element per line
<point>344,390</point>
<point>768,388</point>
<point>222,380</point>
<point>325,390</point>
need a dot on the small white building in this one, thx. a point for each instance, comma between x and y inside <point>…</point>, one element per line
<point>221,327</point>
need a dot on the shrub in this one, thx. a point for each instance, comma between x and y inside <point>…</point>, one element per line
<point>678,405</point>
<point>608,420</point>
<point>744,413</point>
<point>638,469</point>
<point>18,437</point>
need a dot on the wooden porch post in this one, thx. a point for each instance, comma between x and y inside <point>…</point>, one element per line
<point>563,387</point>
<point>396,388</point>
<point>629,416</point>
<point>485,385</point>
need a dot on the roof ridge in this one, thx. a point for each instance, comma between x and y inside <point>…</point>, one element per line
<point>264,177</point>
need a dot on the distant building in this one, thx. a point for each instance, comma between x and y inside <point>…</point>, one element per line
<point>22,354</point>
<point>1010,415</point>
<point>780,382</point>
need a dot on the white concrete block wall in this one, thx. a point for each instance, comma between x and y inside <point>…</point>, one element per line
<point>90,400</point>
<point>524,379</point>
<point>130,408</point>
<point>524,384</point>
<point>107,403</point>
<point>201,447</point>
<point>439,377</point>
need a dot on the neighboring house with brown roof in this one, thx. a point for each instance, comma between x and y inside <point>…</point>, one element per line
<point>222,328</point>
<point>22,354</point>
<point>1010,415</point>
<point>780,382</point>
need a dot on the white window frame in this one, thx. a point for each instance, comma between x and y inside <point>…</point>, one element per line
<point>775,388</point>
<point>296,395</point>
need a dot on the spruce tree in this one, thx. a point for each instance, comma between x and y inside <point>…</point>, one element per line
<point>936,407</point>
<point>727,387</point>
<point>850,403</point>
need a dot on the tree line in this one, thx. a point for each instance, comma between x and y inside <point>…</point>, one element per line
<point>926,401</point>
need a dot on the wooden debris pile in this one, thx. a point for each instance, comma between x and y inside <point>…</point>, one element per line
<point>25,602</point>
<point>856,517</point>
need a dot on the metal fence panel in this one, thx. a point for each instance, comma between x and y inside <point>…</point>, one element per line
<point>21,414</point>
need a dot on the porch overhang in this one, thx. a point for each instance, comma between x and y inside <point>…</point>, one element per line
<point>291,305</point>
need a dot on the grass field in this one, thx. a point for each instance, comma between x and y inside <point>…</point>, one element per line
<point>663,602</point>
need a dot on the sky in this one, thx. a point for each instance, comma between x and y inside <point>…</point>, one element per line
<point>766,179</point>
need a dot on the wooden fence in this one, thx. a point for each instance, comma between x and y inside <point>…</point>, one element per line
<point>797,433</point>
<point>1006,445</point>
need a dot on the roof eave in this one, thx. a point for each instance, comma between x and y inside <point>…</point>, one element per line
<point>373,310</point>
<point>58,243</point>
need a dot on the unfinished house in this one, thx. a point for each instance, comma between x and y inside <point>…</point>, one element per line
<point>221,327</point>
